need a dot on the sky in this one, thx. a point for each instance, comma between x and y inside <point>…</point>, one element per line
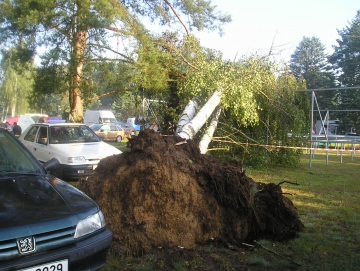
<point>257,24</point>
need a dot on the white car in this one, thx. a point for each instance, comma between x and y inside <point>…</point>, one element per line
<point>75,145</point>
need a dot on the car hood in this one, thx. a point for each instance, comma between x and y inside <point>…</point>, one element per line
<point>27,200</point>
<point>88,150</point>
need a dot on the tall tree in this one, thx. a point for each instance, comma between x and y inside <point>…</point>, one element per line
<point>17,81</point>
<point>310,62</point>
<point>346,56</point>
<point>80,32</point>
<point>346,60</point>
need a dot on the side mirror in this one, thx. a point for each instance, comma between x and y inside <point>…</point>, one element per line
<point>51,164</point>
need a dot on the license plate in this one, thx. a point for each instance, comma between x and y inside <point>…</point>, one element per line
<point>54,266</point>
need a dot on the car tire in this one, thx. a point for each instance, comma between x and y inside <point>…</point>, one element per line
<point>118,139</point>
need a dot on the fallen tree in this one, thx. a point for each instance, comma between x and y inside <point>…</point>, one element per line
<point>193,126</point>
<point>164,191</point>
<point>209,132</point>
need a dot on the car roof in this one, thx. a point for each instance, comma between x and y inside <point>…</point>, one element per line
<point>59,124</point>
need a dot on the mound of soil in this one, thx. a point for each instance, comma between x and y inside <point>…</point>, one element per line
<point>164,191</point>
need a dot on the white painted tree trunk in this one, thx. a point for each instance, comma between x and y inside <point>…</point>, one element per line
<point>187,114</point>
<point>206,139</point>
<point>189,130</point>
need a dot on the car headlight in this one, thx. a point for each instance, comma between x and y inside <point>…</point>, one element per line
<point>79,159</point>
<point>90,224</point>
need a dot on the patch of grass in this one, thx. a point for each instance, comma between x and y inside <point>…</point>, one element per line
<point>328,201</point>
<point>120,145</point>
<point>180,266</point>
<point>259,261</point>
<point>143,267</point>
<point>329,206</point>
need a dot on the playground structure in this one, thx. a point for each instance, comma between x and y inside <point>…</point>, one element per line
<point>149,119</point>
<point>326,135</point>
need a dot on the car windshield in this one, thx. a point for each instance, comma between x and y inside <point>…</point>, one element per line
<point>14,158</point>
<point>72,134</point>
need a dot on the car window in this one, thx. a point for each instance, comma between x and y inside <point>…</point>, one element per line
<point>72,134</point>
<point>95,126</point>
<point>105,128</point>
<point>30,136</point>
<point>14,158</point>
<point>42,136</point>
<point>113,128</point>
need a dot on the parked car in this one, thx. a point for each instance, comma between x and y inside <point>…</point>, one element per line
<point>75,145</point>
<point>108,131</point>
<point>46,224</point>
<point>128,128</point>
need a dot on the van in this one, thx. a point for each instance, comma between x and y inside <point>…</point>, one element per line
<point>23,121</point>
<point>99,116</point>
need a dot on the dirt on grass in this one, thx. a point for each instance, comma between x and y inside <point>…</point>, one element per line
<point>164,193</point>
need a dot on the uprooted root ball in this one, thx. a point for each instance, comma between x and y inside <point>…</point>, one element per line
<point>163,191</point>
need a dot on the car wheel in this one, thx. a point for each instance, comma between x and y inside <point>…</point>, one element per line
<point>118,139</point>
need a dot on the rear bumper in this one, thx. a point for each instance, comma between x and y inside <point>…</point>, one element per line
<point>88,254</point>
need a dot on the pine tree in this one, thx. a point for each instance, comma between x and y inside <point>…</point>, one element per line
<point>346,60</point>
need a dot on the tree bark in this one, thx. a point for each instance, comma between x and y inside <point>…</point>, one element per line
<point>187,115</point>
<point>77,63</point>
<point>206,139</point>
<point>189,130</point>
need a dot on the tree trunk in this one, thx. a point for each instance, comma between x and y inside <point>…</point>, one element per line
<point>77,62</point>
<point>206,139</point>
<point>187,115</point>
<point>189,130</point>
<point>14,98</point>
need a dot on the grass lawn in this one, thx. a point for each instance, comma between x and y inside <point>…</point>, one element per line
<point>120,145</point>
<point>328,201</point>
<point>327,198</point>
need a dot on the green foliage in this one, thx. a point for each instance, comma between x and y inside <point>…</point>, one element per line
<point>93,104</point>
<point>17,80</point>
<point>50,104</point>
<point>259,261</point>
<point>346,61</point>
<point>143,267</point>
<point>346,56</point>
<point>50,80</point>
<point>125,106</point>
<point>281,110</point>
<point>200,14</point>
<point>239,82</point>
<point>310,62</point>
<point>151,71</point>
<point>77,34</point>
<point>180,266</point>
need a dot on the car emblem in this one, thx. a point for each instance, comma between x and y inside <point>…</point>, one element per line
<point>26,245</point>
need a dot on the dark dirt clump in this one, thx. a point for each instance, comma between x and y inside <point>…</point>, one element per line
<point>163,191</point>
